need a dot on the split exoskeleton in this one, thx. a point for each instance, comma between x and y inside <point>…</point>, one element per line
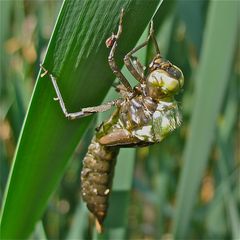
<point>144,115</point>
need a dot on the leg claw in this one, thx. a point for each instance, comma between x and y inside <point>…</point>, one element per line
<point>45,71</point>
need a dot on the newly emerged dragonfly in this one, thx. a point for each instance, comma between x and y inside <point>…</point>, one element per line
<point>144,115</point>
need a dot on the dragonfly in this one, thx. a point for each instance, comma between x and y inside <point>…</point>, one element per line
<point>144,115</point>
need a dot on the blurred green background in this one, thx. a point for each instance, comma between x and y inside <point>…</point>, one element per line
<point>186,187</point>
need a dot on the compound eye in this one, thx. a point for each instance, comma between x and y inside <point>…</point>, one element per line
<point>177,74</point>
<point>155,79</point>
<point>171,84</point>
<point>180,77</point>
<point>181,81</point>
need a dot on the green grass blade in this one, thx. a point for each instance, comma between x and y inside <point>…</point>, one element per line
<point>79,224</point>
<point>211,80</point>
<point>78,57</point>
<point>6,98</point>
<point>39,232</point>
<point>222,212</point>
<point>191,13</point>
<point>226,144</point>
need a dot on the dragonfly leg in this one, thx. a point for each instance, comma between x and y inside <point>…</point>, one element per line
<point>130,61</point>
<point>91,110</point>
<point>112,42</point>
<point>151,33</point>
<point>84,111</point>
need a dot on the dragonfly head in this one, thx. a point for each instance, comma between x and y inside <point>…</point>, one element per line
<point>164,79</point>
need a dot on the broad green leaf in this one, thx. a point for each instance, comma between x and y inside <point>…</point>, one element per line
<point>212,79</point>
<point>77,56</point>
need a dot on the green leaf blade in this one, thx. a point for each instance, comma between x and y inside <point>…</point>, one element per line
<point>78,57</point>
<point>212,77</point>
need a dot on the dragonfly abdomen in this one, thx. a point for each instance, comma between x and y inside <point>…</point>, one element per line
<point>96,177</point>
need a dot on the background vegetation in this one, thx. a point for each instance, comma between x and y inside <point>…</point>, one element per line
<point>185,187</point>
